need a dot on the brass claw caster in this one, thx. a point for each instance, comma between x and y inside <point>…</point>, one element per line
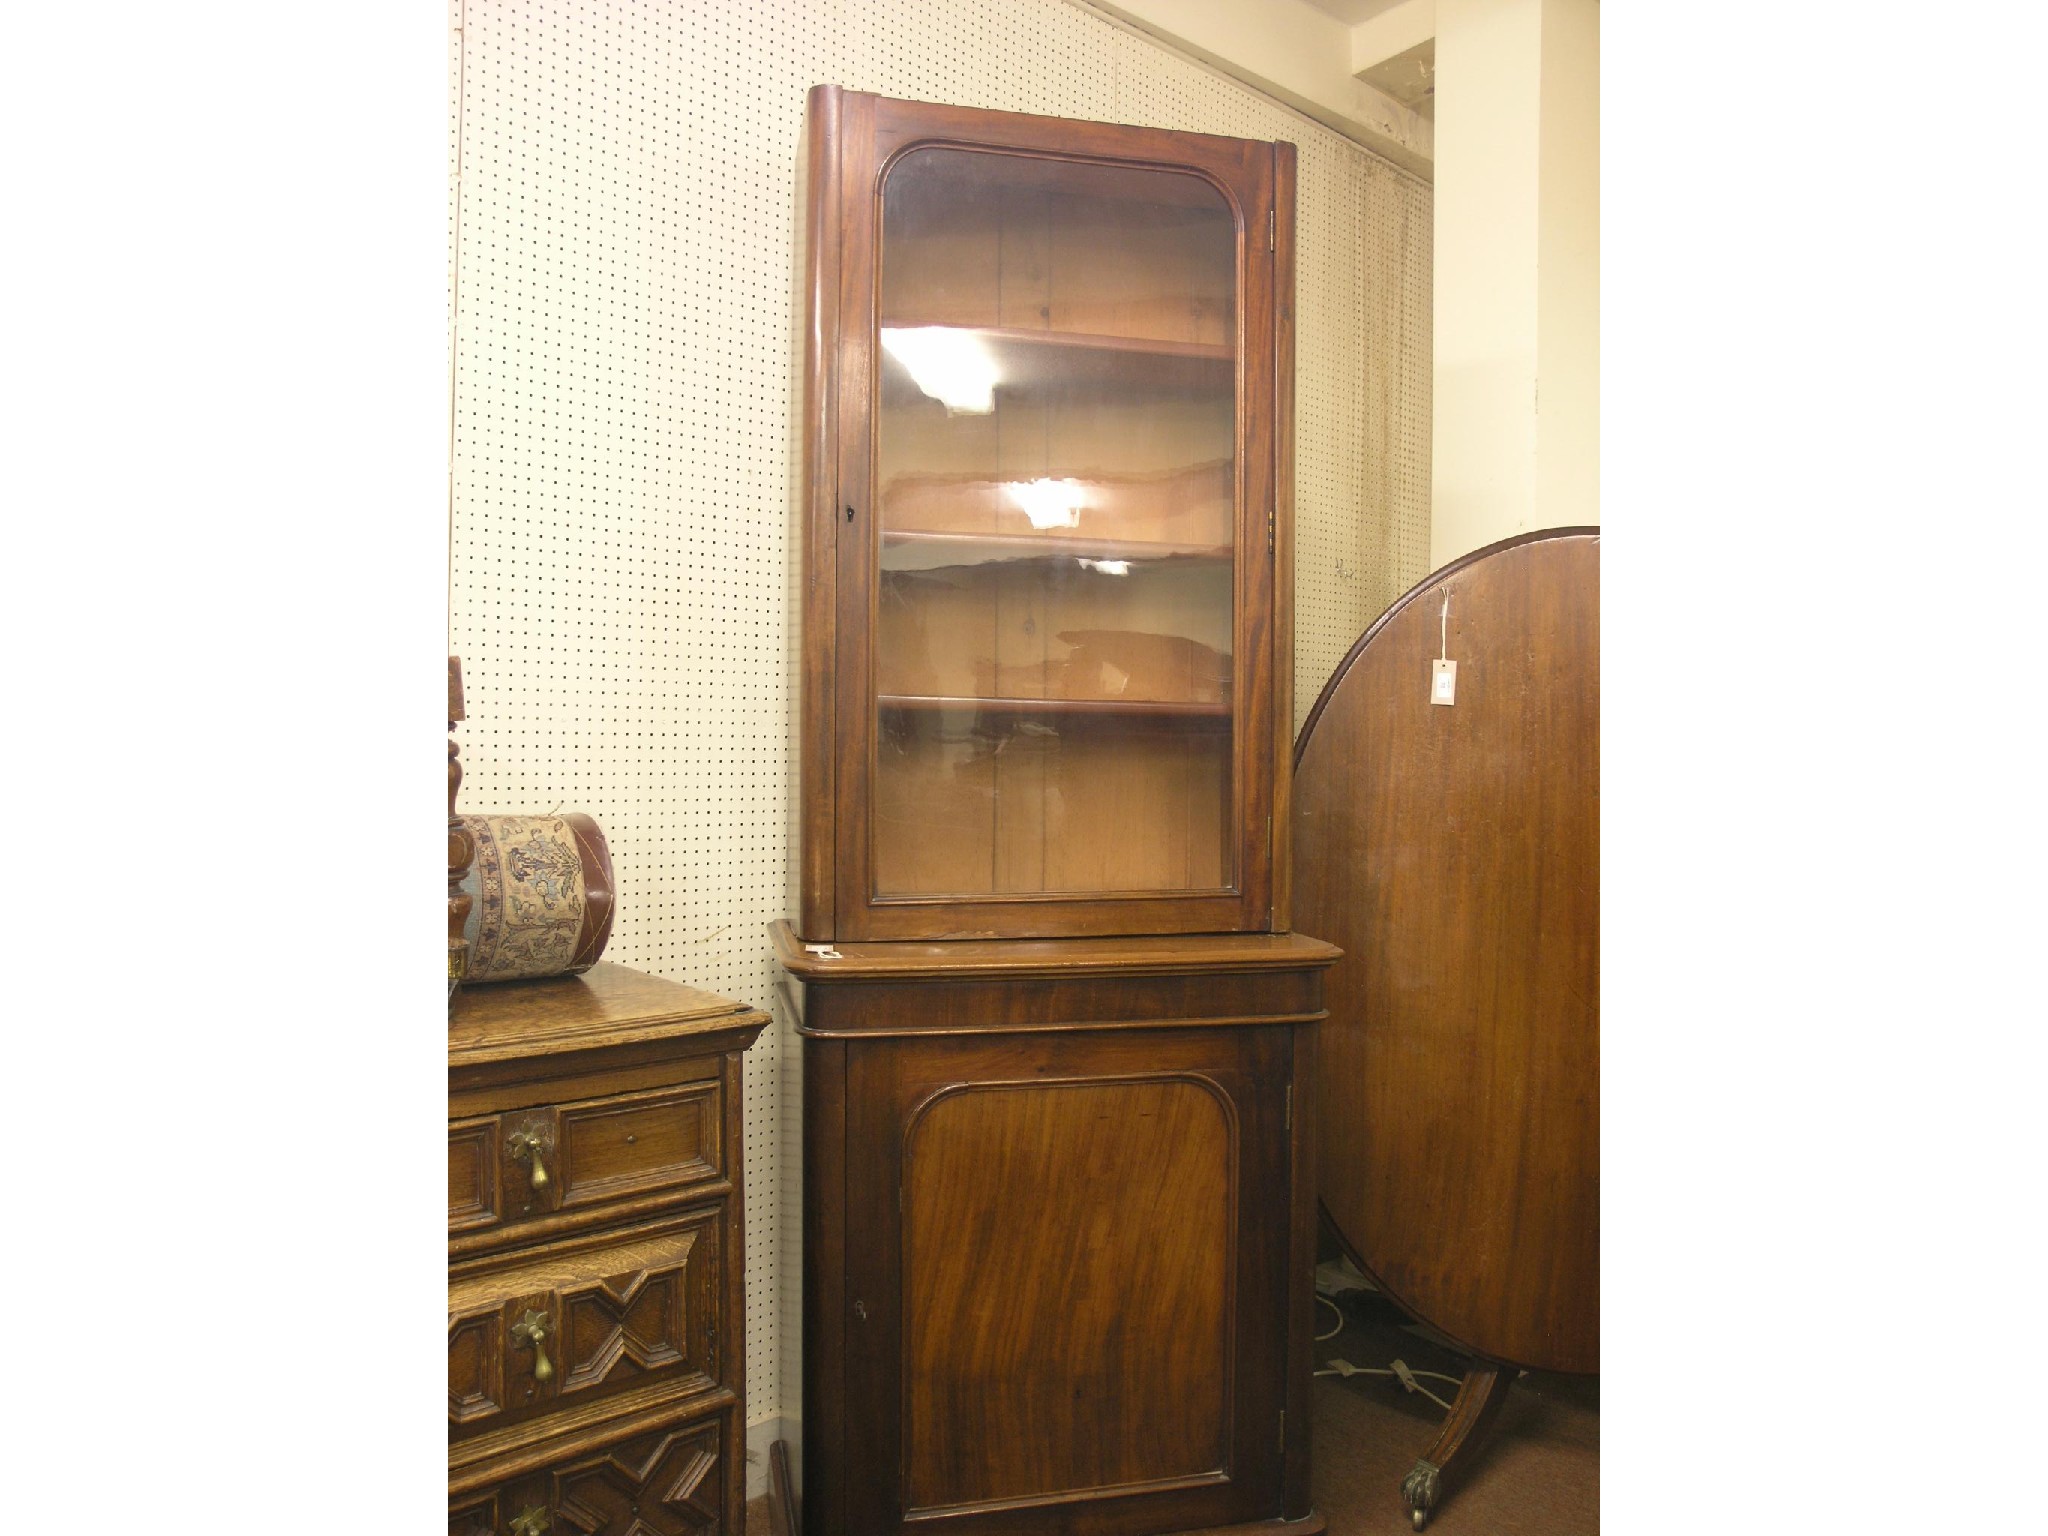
<point>1419,1490</point>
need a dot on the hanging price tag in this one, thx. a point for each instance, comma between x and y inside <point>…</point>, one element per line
<point>1443,682</point>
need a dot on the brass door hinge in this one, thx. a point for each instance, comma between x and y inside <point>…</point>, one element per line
<point>1272,229</point>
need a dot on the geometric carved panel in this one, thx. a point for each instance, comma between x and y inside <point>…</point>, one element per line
<point>669,1483</point>
<point>626,1324</point>
<point>613,1312</point>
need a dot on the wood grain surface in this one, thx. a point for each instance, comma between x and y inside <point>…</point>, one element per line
<point>1059,1270</point>
<point>1453,853</point>
<point>1068,1250</point>
<point>1015,959</point>
<point>606,1005</point>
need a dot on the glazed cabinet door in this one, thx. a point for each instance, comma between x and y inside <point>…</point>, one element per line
<point>1065,1281</point>
<point>1051,685</point>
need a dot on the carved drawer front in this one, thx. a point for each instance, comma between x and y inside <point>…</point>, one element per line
<point>584,1320</point>
<point>667,1482</point>
<point>640,1143</point>
<point>472,1173</point>
<point>584,1155</point>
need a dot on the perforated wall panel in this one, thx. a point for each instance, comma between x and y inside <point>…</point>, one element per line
<point>620,461</point>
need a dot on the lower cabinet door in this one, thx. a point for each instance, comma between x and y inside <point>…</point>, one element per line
<point>667,1482</point>
<point>1065,1277</point>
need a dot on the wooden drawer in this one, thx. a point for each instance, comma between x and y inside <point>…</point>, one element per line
<point>673,1481</point>
<point>591,1155</point>
<point>620,1313</point>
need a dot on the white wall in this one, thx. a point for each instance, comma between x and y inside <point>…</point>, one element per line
<point>1290,50</point>
<point>621,438</point>
<point>1568,267</point>
<point>1516,334</point>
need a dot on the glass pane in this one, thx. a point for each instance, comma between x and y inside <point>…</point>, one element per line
<point>1056,467</point>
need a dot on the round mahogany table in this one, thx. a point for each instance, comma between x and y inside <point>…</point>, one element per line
<point>1452,850</point>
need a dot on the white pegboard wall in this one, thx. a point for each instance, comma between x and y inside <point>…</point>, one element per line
<point>624,226</point>
<point>1362,409</point>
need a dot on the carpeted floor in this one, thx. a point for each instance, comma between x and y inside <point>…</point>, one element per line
<point>1537,1474</point>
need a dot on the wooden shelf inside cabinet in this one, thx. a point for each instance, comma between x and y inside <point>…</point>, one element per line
<point>906,549</point>
<point>1019,342</point>
<point>1179,510</point>
<point>1045,360</point>
<point>1165,709</point>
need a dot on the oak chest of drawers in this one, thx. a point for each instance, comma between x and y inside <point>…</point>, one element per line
<point>596,1257</point>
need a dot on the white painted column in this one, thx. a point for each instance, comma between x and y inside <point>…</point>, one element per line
<point>1515,421</point>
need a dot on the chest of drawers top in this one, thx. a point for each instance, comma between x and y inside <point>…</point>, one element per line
<point>610,1017</point>
<point>586,1100</point>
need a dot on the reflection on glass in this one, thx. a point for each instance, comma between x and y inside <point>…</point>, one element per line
<point>953,367</point>
<point>1056,468</point>
<point>1049,503</point>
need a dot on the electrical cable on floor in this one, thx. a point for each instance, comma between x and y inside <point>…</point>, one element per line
<point>1400,1370</point>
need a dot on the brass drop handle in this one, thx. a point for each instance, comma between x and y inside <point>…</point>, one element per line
<point>533,1329</point>
<point>533,1522</point>
<point>531,1143</point>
